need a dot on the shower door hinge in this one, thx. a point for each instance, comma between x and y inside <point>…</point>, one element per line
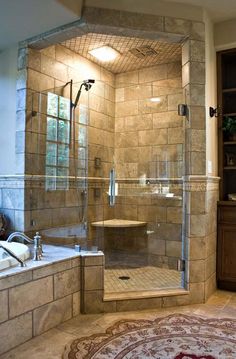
<point>181,265</point>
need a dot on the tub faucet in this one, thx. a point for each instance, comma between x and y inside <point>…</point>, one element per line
<point>22,264</point>
<point>37,243</point>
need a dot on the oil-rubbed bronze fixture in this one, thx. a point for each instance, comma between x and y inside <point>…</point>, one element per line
<point>214,112</point>
<point>182,109</point>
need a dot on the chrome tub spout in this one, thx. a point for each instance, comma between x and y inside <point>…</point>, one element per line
<point>38,251</point>
<point>13,255</point>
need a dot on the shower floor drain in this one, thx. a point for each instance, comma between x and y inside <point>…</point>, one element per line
<point>124,277</point>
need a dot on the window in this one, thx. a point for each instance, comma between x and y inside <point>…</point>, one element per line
<point>57,142</point>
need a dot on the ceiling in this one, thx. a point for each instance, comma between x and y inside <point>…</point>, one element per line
<point>219,10</point>
<point>22,19</point>
<point>165,52</point>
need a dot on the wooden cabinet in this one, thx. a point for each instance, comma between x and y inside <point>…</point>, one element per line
<point>226,246</point>
<point>226,241</point>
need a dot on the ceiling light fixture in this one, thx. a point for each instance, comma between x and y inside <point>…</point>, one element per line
<point>104,53</point>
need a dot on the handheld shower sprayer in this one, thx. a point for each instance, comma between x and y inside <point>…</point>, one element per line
<point>87,85</point>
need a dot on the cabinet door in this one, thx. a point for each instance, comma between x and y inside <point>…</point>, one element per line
<point>226,261</point>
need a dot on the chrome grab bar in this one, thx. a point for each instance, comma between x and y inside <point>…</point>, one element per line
<point>112,192</point>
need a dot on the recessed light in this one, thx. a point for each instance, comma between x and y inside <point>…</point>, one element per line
<point>155,99</point>
<point>104,53</point>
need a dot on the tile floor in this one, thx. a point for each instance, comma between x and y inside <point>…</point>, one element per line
<point>143,278</point>
<point>50,345</point>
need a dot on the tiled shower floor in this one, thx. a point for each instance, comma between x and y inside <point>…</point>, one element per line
<point>142,278</point>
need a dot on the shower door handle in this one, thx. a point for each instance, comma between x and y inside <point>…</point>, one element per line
<point>112,192</point>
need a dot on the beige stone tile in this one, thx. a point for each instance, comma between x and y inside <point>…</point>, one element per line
<point>15,332</point>
<point>138,304</point>
<point>52,314</point>
<point>49,51</point>
<point>32,295</point>
<point>174,69</point>
<point>177,26</point>
<point>92,302</point>
<point>210,265</point>
<point>197,271</point>
<point>173,249</point>
<point>127,139</point>
<point>128,108</point>
<point>120,94</point>
<point>197,248</point>
<point>195,95</point>
<point>109,93</point>
<point>139,122</point>
<point>174,215</point>
<point>173,101</point>
<point>66,282</point>
<point>151,213</point>
<point>210,286</point>
<point>211,242</point>
<point>49,345</point>
<point>197,293</point>
<point>137,92</point>
<point>167,153</point>
<point>154,73</point>
<point>197,72</point>
<point>168,83</point>
<point>39,82</point>
<point>126,79</point>
<point>93,260</point>
<point>175,135</point>
<point>3,305</point>
<point>197,30</point>
<point>51,269</point>
<point>34,59</point>
<point>197,225</point>
<point>197,51</point>
<point>148,106</point>
<point>15,279</point>
<point>54,68</point>
<point>93,278</point>
<point>76,304</point>
<point>152,137</point>
<point>159,90</point>
<point>156,246</point>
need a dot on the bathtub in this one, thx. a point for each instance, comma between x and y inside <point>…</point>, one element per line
<point>20,249</point>
<point>71,234</point>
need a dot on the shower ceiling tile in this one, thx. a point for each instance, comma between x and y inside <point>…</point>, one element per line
<point>136,53</point>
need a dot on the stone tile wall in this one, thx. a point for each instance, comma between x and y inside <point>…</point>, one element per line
<point>37,299</point>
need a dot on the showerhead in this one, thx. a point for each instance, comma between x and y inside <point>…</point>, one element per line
<point>87,85</point>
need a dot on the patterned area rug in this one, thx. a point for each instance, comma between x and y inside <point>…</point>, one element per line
<point>176,336</point>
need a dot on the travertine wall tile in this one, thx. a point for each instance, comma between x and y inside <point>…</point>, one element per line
<point>50,315</point>
<point>31,295</point>
<point>66,282</point>
<point>93,278</point>
<point>15,332</point>
<point>3,305</point>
